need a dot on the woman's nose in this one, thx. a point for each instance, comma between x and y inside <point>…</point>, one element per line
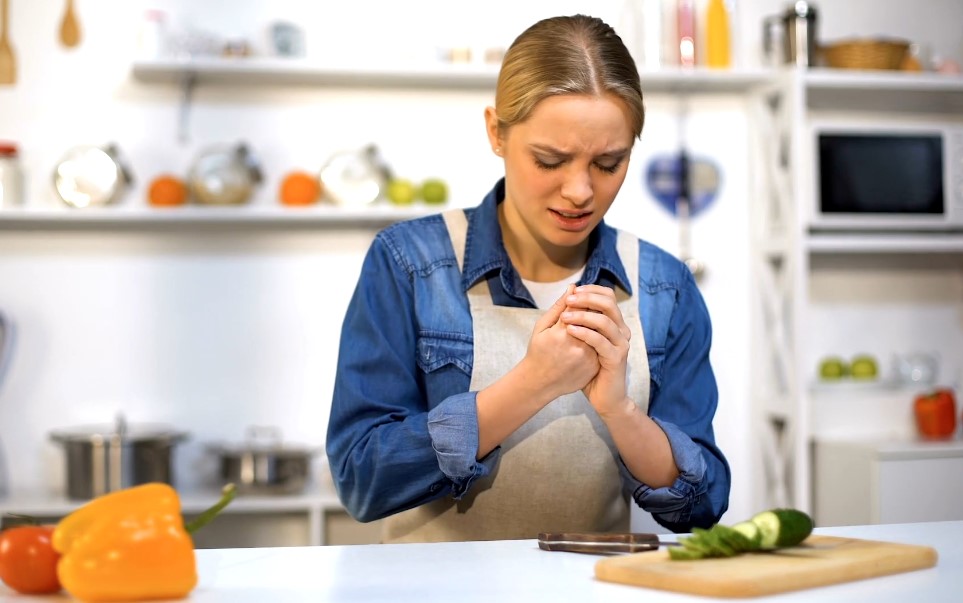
<point>577,187</point>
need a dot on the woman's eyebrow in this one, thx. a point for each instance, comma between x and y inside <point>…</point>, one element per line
<point>614,153</point>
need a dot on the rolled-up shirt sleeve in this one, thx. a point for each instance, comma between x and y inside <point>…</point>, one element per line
<point>453,428</point>
<point>683,403</point>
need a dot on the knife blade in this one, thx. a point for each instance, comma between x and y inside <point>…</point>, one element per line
<point>600,542</point>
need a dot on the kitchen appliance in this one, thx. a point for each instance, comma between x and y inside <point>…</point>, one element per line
<point>820,561</point>
<point>887,177</point>
<point>107,458</point>
<point>790,37</point>
<point>264,464</point>
<point>224,175</point>
<point>91,176</point>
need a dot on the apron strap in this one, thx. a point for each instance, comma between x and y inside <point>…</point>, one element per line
<point>628,248</point>
<point>457,224</point>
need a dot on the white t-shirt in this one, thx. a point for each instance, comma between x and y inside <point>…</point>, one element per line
<point>546,294</point>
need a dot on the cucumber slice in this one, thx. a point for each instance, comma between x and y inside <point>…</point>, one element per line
<point>733,538</point>
<point>782,527</point>
<point>678,553</point>
<point>751,532</point>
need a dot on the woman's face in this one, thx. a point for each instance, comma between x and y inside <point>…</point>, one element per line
<point>564,166</point>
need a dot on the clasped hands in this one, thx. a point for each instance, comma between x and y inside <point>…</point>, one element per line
<point>582,343</point>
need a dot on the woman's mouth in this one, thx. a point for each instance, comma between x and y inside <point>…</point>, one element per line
<point>571,220</point>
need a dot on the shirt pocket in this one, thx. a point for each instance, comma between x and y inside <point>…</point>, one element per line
<point>442,351</point>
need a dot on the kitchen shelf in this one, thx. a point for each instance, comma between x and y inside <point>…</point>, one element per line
<point>251,216</point>
<point>39,505</point>
<point>875,243</point>
<point>312,510</point>
<point>280,71</point>
<point>893,91</point>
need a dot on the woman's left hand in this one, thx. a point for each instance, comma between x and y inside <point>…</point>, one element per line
<point>593,316</point>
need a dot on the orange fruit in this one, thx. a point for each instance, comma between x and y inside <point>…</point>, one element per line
<point>167,191</point>
<point>299,188</point>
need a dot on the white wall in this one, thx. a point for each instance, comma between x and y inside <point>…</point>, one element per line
<point>214,332</point>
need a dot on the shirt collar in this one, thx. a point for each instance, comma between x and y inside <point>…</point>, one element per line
<point>485,251</point>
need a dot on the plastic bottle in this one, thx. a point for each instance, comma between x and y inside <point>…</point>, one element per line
<point>686,32</point>
<point>11,176</point>
<point>718,51</point>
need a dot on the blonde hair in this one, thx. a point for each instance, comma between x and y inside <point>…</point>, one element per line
<point>566,55</point>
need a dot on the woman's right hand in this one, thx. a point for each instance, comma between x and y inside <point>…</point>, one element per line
<point>558,362</point>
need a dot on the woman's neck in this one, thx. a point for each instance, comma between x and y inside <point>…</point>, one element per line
<point>537,260</point>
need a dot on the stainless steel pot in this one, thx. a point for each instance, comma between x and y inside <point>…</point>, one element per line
<point>107,458</point>
<point>263,464</point>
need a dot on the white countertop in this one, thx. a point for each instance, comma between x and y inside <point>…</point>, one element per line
<point>517,570</point>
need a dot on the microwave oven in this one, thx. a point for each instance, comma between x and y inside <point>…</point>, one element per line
<point>887,178</point>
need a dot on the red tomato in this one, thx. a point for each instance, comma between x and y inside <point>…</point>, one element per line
<point>28,561</point>
<point>936,414</point>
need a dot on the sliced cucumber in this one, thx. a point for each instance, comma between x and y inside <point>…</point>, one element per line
<point>782,527</point>
<point>752,533</point>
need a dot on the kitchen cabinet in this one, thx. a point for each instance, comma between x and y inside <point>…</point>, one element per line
<point>795,270</point>
<point>314,517</point>
<point>880,482</point>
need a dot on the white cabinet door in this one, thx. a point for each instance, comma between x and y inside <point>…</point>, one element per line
<point>887,482</point>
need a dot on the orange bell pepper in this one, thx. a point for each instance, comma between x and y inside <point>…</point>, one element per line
<point>129,545</point>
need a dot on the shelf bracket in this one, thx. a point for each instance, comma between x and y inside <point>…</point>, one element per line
<point>188,82</point>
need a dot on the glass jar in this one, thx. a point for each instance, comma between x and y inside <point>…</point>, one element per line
<point>11,176</point>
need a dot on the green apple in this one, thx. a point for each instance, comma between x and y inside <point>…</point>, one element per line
<point>863,366</point>
<point>401,191</point>
<point>434,191</point>
<point>832,368</point>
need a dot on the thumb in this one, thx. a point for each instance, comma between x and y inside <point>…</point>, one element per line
<point>552,315</point>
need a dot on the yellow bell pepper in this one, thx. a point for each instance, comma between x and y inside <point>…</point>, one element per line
<point>129,545</point>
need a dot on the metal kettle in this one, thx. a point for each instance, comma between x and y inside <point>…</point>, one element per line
<point>796,27</point>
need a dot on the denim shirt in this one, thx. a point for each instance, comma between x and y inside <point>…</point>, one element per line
<point>403,428</point>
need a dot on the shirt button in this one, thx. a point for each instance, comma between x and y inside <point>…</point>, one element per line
<point>434,488</point>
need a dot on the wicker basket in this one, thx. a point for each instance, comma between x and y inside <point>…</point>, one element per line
<point>866,54</point>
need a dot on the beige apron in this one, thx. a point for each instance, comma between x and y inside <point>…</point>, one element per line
<point>559,471</point>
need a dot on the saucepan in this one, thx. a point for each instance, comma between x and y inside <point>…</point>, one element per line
<point>264,464</point>
<point>107,458</point>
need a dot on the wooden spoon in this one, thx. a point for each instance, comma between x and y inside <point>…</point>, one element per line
<point>70,27</point>
<point>8,62</point>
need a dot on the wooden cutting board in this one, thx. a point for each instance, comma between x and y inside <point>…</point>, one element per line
<point>819,561</point>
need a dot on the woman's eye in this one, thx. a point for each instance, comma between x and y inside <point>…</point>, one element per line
<point>547,165</point>
<point>609,169</point>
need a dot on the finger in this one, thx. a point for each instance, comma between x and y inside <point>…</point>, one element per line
<point>601,300</point>
<point>552,315</point>
<point>601,344</point>
<point>599,323</point>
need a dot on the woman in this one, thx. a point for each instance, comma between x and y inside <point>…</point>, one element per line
<point>522,367</point>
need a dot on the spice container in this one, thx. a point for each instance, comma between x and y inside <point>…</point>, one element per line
<point>11,176</point>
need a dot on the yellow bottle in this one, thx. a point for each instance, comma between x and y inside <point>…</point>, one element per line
<point>718,52</point>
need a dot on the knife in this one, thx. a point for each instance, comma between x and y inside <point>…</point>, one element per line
<point>600,542</point>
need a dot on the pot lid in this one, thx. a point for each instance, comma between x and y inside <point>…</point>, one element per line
<point>143,432</point>
<point>264,439</point>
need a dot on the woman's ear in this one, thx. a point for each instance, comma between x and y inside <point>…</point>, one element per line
<point>491,128</point>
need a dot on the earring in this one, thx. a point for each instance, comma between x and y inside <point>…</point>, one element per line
<point>498,151</point>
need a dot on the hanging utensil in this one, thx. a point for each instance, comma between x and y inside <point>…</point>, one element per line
<point>69,27</point>
<point>8,61</point>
